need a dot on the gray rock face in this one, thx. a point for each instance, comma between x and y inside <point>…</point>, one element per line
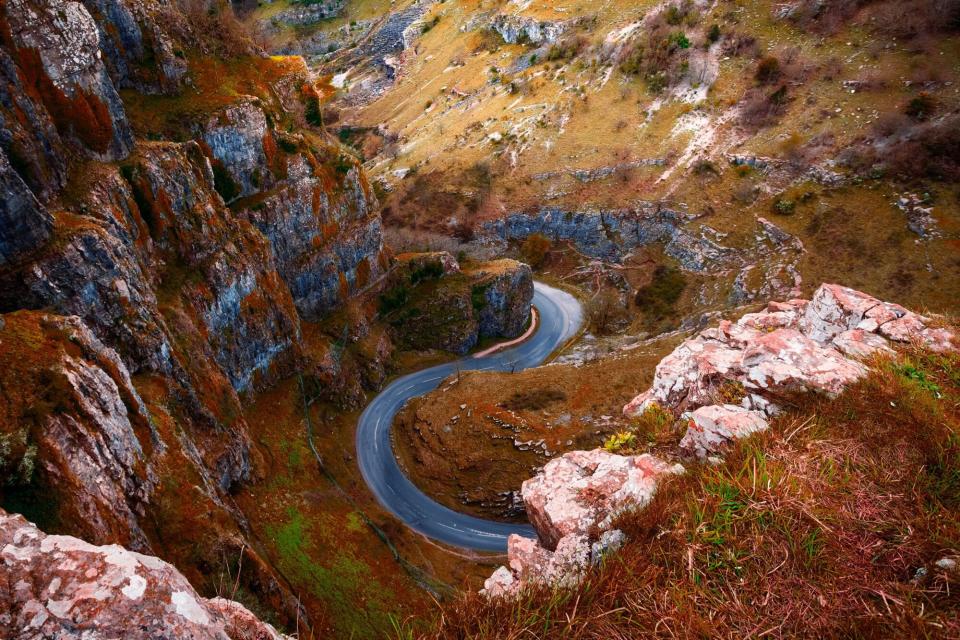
<point>310,13</point>
<point>24,223</point>
<point>235,137</point>
<point>612,234</point>
<point>506,307</point>
<point>138,54</point>
<point>28,135</point>
<point>328,242</point>
<point>58,46</point>
<point>72,590</point>
<point>93,275</point>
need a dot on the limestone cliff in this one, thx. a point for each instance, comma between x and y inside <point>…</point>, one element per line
<point>151,276</point>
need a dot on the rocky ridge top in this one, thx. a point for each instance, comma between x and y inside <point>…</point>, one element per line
<point>819,345</point>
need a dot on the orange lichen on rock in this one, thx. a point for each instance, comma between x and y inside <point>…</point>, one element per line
<point>82,114</point>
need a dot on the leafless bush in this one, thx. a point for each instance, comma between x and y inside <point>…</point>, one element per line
<point>739,44</point>
<point>606,312</point>
<point>215,28</point>
<point>760,108</point>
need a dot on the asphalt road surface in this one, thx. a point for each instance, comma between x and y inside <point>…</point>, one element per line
<point>560,319</point>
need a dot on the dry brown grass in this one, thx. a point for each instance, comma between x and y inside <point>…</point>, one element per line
<point>827,526</point>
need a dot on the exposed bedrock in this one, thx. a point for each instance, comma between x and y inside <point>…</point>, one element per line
<point>63,587</point>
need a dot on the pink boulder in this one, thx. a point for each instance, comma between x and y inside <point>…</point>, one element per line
<point>715,426</point>
<point>582,490</point>
<point>62,587</point>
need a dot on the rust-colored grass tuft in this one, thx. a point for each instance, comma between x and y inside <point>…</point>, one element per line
<point>829,525</point>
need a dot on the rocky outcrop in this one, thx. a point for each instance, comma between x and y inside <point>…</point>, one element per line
<point>325,231</point>
<point>62,587</point>
<point>138,53</point>
<point>612,234</point>
<point>798,345</point>
<point>516,29</point>
<point>71,415</point>
<point>57,51</point>
<point>235,137</point>
<point>794,346</point>
<point>309,13</point>
<point>502,296</point>
<point>572,503</point>
<point>446,307</point>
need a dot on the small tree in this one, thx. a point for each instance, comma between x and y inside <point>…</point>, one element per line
<point>534,250</point>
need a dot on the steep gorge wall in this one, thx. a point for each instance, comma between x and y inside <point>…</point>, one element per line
<point>147,285</point>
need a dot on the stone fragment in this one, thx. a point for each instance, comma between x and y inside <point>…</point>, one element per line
<point>713,427</point>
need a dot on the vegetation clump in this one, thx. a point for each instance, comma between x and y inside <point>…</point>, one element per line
<point>658,299</point>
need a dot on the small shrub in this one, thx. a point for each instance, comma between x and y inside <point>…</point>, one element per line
<point>713,35</point>
<point>430,270</point>
<point>394,299</point>
<point>620,441</point>
<point>768,70</point>
<point>680,39</point>
<point>921,106</point>
<point>784,206</point>
<point>658,299</point>
<point>535,249</point>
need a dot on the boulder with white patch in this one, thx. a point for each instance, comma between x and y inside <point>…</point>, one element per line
<point>62,587</point>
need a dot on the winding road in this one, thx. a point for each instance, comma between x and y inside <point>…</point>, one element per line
<point>560,319</point>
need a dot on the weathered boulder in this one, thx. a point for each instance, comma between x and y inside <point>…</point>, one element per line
<point>835,310</point>
<point>584,489</point>
<point>796,345</point>
<point>714,426</point>
<point>62,587</point>
<point>572,503</point>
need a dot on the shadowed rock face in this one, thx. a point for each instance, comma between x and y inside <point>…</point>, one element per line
<point>24,223</point>
<point>89,446</point>
<point>137,52</point>
<point>70,589</point>
<point>457,309</point>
